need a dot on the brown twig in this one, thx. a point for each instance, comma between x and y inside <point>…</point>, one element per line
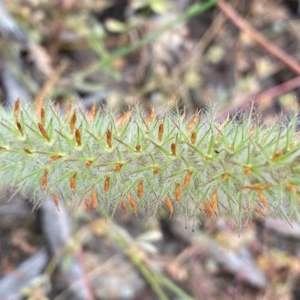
<point>50,83</point>
<point>243,25</point>
<point>277,90</point>
<point>272,92</point>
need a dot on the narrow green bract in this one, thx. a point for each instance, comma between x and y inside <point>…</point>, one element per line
<point>191,166</point>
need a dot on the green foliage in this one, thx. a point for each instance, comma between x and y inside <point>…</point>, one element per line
<point>144,163</point>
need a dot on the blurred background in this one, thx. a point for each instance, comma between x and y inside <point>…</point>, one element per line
<point>165,54</point>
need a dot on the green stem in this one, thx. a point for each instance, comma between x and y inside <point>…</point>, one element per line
<point>189,13</point>
<point>173,287</point>
<point>148,275</point>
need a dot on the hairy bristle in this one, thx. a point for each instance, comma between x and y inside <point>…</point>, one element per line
<point>192,166</point>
